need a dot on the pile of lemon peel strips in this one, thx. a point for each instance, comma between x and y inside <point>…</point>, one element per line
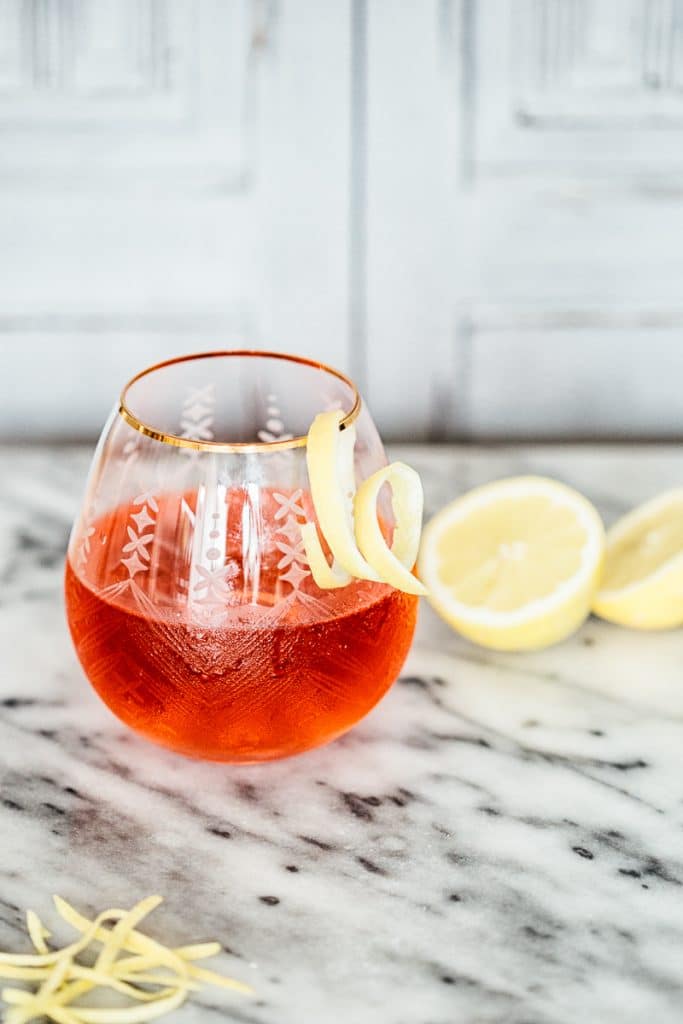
<point>154,978</point>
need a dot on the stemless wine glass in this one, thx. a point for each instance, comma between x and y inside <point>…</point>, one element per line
<point>189,597</point>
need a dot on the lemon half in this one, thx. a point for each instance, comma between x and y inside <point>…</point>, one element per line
<point>514,564</point>
<point>642,585</point>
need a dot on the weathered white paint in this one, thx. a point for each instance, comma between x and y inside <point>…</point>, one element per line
<point>581,381</point>
<point>484,226</point>
<point>413,248</point>
<point>570,294</point>
<point>236,237</point>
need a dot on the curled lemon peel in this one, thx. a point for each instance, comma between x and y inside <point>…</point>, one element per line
<point>168,975</point>
<point>348,520</point>
<point>393,563</point>
<point>329,459</point>
<point>326,576</point>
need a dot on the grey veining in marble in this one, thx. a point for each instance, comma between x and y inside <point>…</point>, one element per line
<point>500,842</point>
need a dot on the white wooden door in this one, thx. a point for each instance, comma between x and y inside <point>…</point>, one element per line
<point>174,176</point>
<point>475,206</point>
<point>525,217</point>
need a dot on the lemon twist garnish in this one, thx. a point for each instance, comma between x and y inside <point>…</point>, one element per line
<point>329,458</point>
<point>348,521</point>
<point>167,974</point>
<point>326,576</point>
<point>393,563</point>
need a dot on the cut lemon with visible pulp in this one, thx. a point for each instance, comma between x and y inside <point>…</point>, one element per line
<point>514,564</point>
<point>642,585</point>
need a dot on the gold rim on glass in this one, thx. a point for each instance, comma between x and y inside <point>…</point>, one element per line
<point>235,446</point>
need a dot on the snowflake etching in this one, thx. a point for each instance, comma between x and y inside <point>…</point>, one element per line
<point>138,542</point>
<point>288,538</point>
<point>197,416</point>
<point>134,564</point>
<point>135,556</point>
<point>291,552</point>
<point>289,506</point>
<point>137,547</point>
<point>295,576</point>
<point>130,450</point>
<point>213,585</point>
<point>147,498</point>
<point>88,531</point>
<point>274,429</point>
<point>142,519</point>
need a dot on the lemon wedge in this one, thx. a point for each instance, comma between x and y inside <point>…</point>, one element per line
<point>513,565</point>
<point>642,585</point>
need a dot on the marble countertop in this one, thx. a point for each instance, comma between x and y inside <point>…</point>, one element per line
<point>499,842</point>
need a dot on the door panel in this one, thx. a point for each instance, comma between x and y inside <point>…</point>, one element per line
<point>525,216</point>
<point>169,181</point>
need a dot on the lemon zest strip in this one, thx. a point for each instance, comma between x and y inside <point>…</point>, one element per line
<point>43,959</point>
<point>392,563</point>
<point>135,941</point>
<point>325,576</point>
<point>63,980</point>
<point>123,929</point>
<point>211,978</point>
<point>329,459</point>
<point>37,932</point>
<point>129,1014</point>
